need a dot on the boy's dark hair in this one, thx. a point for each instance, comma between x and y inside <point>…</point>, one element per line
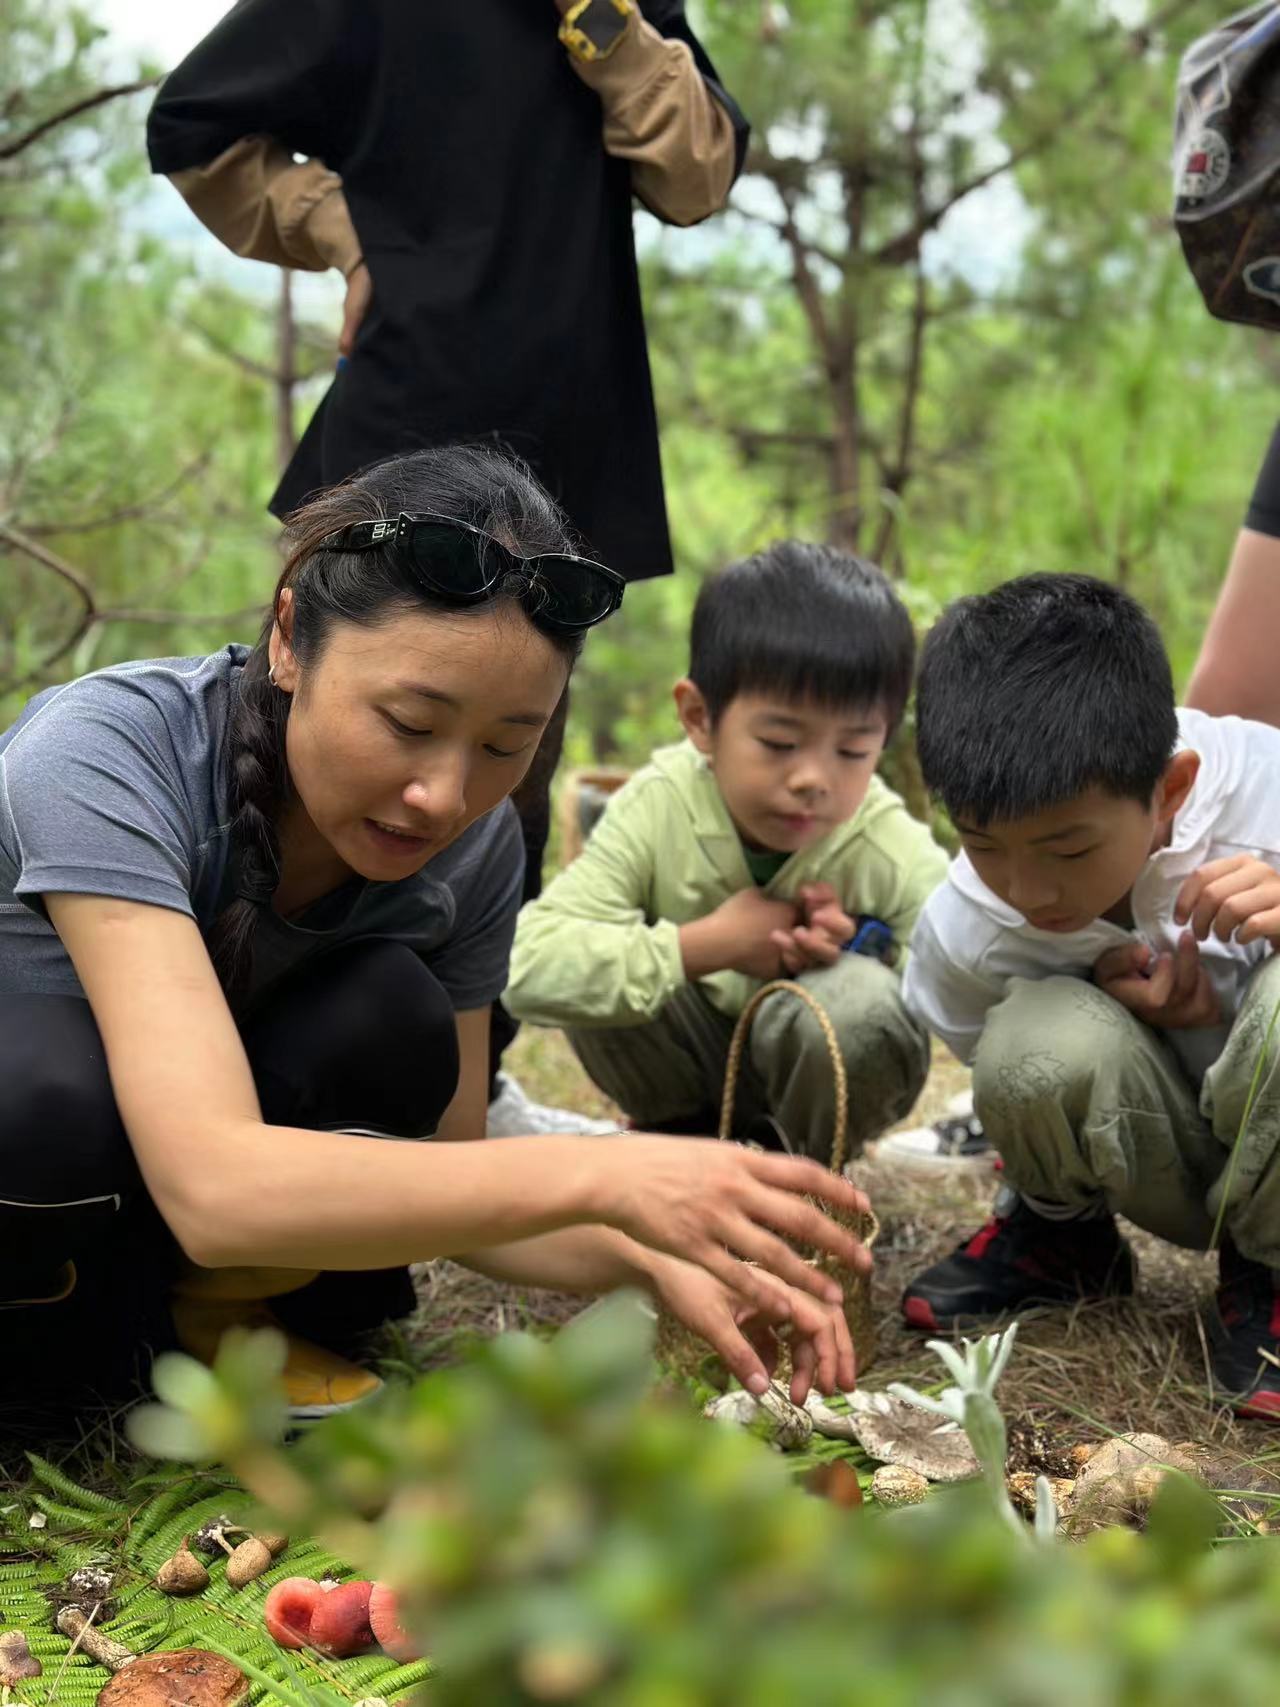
<point>808,623</point>
<point>1036,691</point>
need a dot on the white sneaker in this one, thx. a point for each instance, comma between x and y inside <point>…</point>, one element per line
<point>956,1142</point>
<point>513,1115</point>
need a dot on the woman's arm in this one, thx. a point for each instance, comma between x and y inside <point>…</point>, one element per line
<point>465,1116</point>
<point>235,1190</point>
<point>267,206</point>
<point>662,117</point>
<point>1236,670</point>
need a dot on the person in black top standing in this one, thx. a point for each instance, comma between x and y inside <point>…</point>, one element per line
<point>1236,671</point>
<point>470,169</point>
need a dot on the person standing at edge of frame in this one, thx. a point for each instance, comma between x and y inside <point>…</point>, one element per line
<point>471,175</point>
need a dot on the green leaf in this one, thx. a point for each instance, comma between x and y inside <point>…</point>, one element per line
<point>165,1433</point>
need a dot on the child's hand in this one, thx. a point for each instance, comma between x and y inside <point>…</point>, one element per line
<point>737,937</point>
<point>819,940</point>
<point>1169,991</point>
<point>1237,897</point>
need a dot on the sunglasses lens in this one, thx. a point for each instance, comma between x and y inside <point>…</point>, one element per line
<point>454,560</point>
<point>566,594</point>
<point>577,594</point>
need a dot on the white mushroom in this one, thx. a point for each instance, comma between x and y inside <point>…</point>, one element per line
<point>772,1415</point>
<point>836,1425</point>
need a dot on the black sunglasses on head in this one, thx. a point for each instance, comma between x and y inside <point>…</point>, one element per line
<point>465,565</point>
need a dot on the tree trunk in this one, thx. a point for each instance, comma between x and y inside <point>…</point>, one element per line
<point>286,371</point>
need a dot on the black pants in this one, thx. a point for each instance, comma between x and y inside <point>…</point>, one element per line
<point>532,801</point>
<point>364,1037</point>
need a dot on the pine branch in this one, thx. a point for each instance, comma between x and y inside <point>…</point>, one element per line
<point>15,146</point>
<point>904,246</point>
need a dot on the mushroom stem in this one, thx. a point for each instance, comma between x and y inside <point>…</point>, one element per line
<point>86,1636</point>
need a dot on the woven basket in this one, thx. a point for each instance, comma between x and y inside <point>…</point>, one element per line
<point>682,1352</point>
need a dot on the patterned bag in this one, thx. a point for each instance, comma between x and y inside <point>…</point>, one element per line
<point>1226,166</point>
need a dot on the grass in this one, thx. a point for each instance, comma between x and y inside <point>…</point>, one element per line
<point>1138,1365</point>
<point>1102,1369</point>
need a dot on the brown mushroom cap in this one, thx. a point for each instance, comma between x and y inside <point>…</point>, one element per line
<point>184,1677</point>
<point>16,1659</point>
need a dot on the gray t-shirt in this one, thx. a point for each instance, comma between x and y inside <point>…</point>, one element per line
<point>116,784</point>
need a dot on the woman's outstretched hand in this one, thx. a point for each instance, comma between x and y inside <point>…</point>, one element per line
<point>746,1335</point>
<point>727,1208</point>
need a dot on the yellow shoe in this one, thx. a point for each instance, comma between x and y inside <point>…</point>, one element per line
<point>316,1382</point>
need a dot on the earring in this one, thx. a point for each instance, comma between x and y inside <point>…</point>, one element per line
<point>271,675</point>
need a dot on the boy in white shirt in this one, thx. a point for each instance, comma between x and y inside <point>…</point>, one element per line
<point>1102,954</point>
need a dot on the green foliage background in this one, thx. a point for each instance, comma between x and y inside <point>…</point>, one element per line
<point>1073,405</point>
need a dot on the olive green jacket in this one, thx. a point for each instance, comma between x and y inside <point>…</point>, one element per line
<point>600,947</point>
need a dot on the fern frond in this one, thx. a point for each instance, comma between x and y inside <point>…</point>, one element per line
<point>180,1496</point>
<point>58,1482</point>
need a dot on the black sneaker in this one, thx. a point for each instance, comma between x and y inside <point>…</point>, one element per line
<point>1245,1330</point>
<point>1020,1259</point>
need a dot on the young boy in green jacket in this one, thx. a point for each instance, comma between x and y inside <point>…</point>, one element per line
<point>755,849</point>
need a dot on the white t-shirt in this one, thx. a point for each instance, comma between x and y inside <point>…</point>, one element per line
<point>968,944</point>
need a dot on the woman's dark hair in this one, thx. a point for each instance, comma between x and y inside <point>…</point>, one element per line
<point>473,484</point>
<point>1039,690</point>
<point>805,622</point>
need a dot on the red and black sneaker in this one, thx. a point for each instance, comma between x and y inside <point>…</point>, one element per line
<point>1017,1261</point>
<point>1245,1331</point>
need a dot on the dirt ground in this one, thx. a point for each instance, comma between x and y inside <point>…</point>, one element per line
<point>1086,1373</point>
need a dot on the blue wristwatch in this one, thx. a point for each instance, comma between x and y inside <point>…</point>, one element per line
<point>872,937</point>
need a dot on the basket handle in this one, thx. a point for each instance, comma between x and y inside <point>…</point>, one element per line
<point>738,1043</point>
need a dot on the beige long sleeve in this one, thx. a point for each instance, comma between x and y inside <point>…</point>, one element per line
<point>660,115</point>
<point>266,206</point>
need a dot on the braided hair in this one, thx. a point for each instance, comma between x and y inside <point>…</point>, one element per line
<point>485,487</point>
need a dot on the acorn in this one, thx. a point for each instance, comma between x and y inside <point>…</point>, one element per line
<point>248,1562</point>
<point>183,1574</point>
